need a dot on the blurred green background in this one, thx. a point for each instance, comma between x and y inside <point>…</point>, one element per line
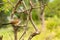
<point>52,20</point>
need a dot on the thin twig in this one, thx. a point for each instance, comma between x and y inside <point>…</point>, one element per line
<point>52,10</point>
<point>23,33</point>
<point>26,10</point>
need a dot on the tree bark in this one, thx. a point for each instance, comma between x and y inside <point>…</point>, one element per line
<point>15,28</point>
<point>15,35</point>
<point>42,16</point>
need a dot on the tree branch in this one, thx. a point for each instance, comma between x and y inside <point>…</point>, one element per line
<point>42,15</point>
<point>15,7</point>
<point>31,20</point>
<point>23,11</point>
<point>25,28</point>
<point>35,27</point>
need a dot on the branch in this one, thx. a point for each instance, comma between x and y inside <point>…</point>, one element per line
<point>31,3</point>
<point>31,20</point>
<point>42,15</point>
<point>23,11</point>
<point>32,35</point>
<point>35,27</point>
<point>25,29</point>
<point>23,33</point>
<point>15,7</point>
<point>29,12</point>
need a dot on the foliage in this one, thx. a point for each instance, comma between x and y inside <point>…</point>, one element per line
<point>1,4</point>
<point>52,23</point>
<point>3,19</point>
<point>52,16</point>
<point>52,9</point>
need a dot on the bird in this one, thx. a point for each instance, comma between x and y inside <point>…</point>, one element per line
<point>13,22</point>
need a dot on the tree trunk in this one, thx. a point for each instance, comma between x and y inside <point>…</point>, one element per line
<point>15,35</point>
<point>15,32</point>
<point>42,16</point>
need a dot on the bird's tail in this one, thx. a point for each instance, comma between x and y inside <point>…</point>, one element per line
<point>6,23</point>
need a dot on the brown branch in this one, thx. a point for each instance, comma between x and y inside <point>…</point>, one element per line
<point>32,5</point>
<point>32,22</point>
<point>15,34</point>
<point>15,28</point>
<point>15,7</point>
<point>25,28</point>
<point>25,7</point>
<point>32,35</point>
<point>35,27</point>
<point>30,17</point>
<point>42,15</point>
<point>23,11</point>
<point>29,12</point>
